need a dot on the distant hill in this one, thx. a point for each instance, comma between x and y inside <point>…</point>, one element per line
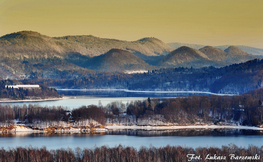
<point>194,46</point>
<point>229,56</point>
<point>250,50</point>
<point>205,56</point>
<point>185,57</point>
<point>212,53</point>
<point>96,46</point>
<point>117,60</point>
<point>235,54</point>
<point>234,51</point>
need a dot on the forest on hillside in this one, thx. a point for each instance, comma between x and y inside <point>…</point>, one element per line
<point>233,79</point>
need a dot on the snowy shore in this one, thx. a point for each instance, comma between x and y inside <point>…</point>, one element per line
<point>25,129</point>
<point>184,127</point>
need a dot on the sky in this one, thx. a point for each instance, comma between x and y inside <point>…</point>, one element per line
<point>208,22</point>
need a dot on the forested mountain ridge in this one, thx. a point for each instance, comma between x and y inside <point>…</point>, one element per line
<point>29,44</point>
<point>29,54</point>
<point>233,79</point>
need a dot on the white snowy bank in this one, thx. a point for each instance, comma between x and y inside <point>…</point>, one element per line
<point>183,127</point>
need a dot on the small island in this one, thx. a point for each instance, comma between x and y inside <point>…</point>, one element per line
<point>19,91</point>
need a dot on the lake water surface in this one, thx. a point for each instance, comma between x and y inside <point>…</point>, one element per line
<point>57,141</point>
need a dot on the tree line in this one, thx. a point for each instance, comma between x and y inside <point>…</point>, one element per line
<point>243,109</point>
<point>168,153</point>
<point>37,114</point>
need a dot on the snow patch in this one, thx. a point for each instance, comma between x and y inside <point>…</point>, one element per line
<point>135,71</point>
<point>22,128</point>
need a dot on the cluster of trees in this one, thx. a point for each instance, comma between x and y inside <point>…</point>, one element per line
<point>38,114</point>
<point>21,93</point>
<point>30,113</point>
<point>130,154</point>
<point>89,112</point>
<point>245,109</point>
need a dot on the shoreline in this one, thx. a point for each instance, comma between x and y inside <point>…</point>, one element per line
<point>118,127</point>
<point>145,91</point>
<point>80,130</point>
<point>30,100</point>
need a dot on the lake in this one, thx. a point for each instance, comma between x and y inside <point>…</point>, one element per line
<point>135,138</point>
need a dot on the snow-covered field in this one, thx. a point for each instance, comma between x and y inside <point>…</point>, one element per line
<point>135,71</point>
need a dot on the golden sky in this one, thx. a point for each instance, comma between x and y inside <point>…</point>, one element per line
<point>209,22</point>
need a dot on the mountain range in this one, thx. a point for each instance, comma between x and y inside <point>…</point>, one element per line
<point>250,50</point>
<point>29,54</point>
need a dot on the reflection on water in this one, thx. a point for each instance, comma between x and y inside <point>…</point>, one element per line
<point>137,139</point>
<point>148,133</point>
<point>186,132</point>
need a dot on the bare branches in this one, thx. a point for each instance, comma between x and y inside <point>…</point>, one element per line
<point>130,154</point>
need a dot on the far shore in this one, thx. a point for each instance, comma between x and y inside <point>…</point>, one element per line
<point>145,91</point>
<point>25,129</point>
<point>183,127</point>
<point>6,100</point>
